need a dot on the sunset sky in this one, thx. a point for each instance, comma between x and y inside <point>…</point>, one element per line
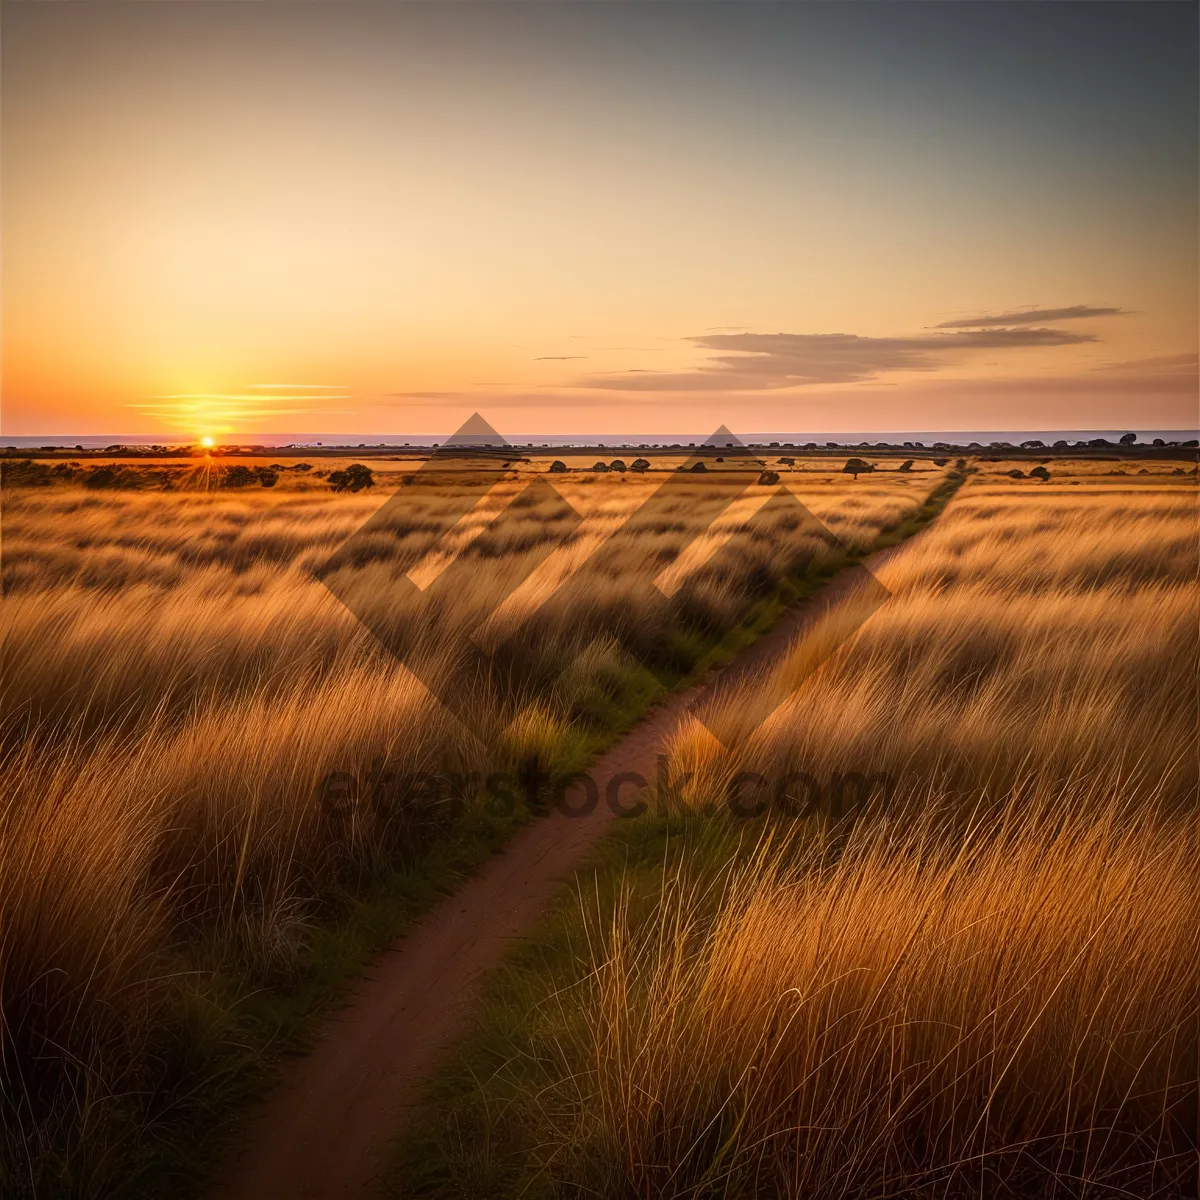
<point>230,218</point>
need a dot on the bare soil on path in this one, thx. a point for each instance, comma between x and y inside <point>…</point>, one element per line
<point>324,1131</point>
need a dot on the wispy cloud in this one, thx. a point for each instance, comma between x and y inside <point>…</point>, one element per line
<point>1031,316</point>
<point>765,361</point>
<point>1180,366</point>
<point>258,401</point>
<point>560,357</point>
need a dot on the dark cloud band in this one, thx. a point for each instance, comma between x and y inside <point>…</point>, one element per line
<point>1031,316</point>
<point>765,361</point>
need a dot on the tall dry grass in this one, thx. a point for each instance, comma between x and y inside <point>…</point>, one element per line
<point>118,603</point>
<point>1007,1011</point>
<point>986,980</point>
<point>179,683</point>
<point>1029,636</point>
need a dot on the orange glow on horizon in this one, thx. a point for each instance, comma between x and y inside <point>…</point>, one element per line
<point>416,222</point>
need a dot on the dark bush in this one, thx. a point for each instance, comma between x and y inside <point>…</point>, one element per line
<point>238,476</point>
<point>101,477</point>
<point>26,473</point>
<point>353,479</point>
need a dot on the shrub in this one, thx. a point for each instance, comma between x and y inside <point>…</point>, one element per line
<point>856,467</point>
<point>557,466</point>
<point>238,476</point>
<point>640,464</point>
<point>101,477</point>
<point>769,478</point>
<point>353,479</point>
<point>616,465</point>
<point>27,473</point>
<point>1039,473</point>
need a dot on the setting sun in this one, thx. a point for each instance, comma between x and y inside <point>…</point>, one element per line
<point>206,442</point>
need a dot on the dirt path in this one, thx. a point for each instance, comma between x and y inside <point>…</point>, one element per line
<point>324,1131</point>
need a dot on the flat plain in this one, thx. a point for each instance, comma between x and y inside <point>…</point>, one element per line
<point>989,981</point>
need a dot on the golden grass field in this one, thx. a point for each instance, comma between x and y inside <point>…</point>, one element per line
<point>178,682</point>
<point>985,982</point>
<point>990,981</point>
